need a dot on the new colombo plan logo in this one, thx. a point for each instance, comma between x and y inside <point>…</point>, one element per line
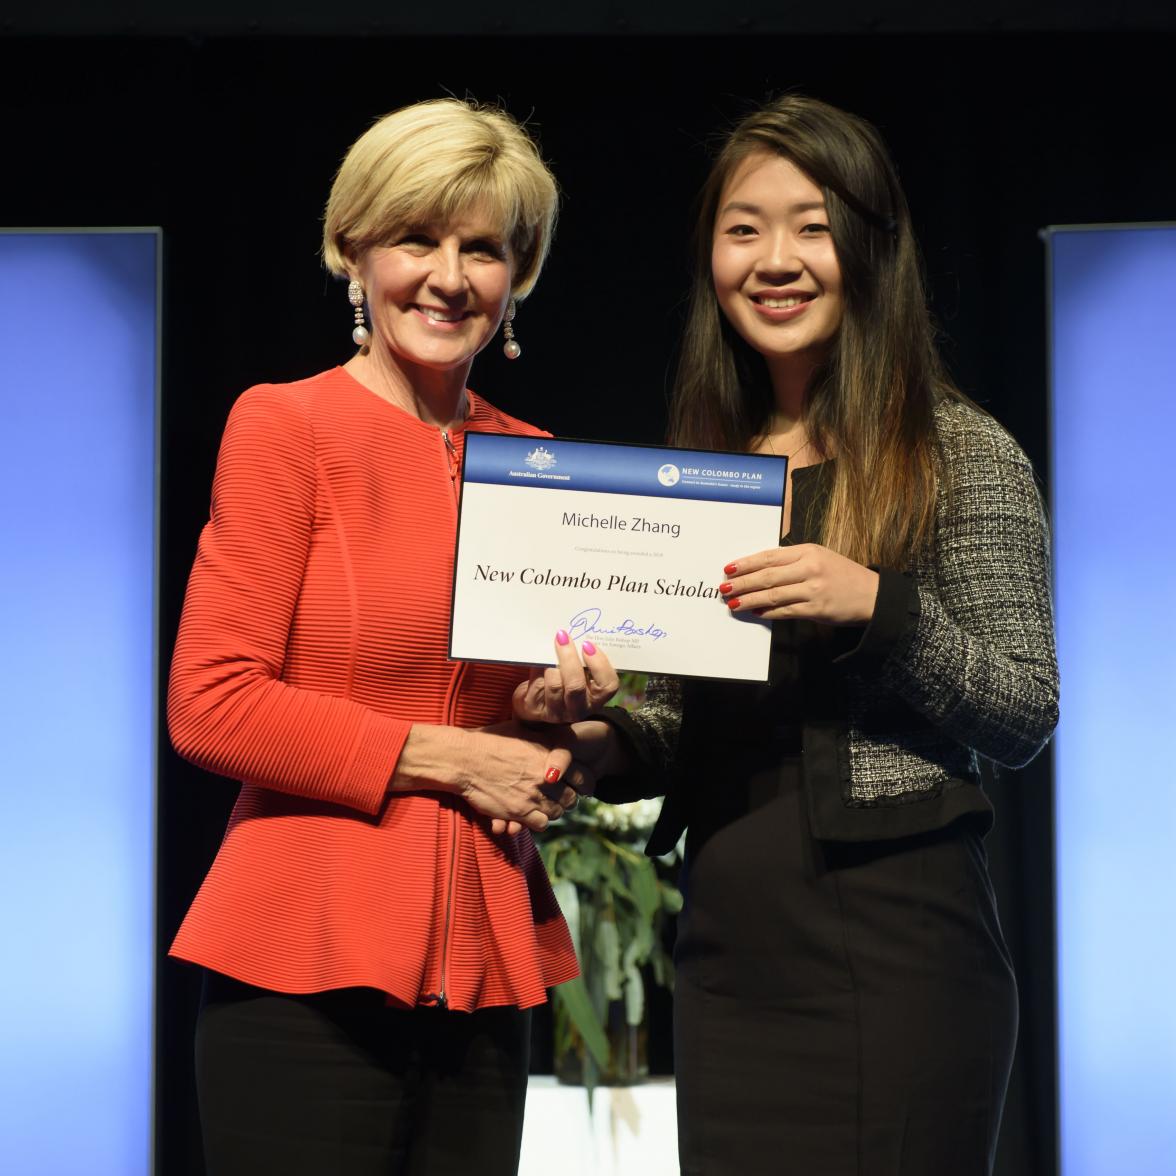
<point>540,458</point>
<point>669,474</point>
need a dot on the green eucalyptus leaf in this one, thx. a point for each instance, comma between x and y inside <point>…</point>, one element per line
<point>671,898</point>
<point>634,986</point>
<point>646,892</point>
<point>574,997</point>
<point>642,941</point>
<point>591,1078</point>
<point>634,996</point>
<point>613,878</point>
<point>608,955</point>
<point>568,898</point>
<point>581,869</point>
<point>662,969</point>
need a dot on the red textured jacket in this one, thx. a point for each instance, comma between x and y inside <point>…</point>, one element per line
<point>314,634</point>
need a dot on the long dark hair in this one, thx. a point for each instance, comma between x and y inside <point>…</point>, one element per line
<point>871,403</point>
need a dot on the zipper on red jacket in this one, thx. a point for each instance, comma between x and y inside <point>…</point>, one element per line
<point>455,823</point>
<point>451,453</point>
<point>451,886</point>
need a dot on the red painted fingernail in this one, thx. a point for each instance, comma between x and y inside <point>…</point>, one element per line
<point>588,647</point>
<point>724,588</point>
<point>562,636</point>
<point>731,569</point>
<point>553,775</point>
<point>733,602</point>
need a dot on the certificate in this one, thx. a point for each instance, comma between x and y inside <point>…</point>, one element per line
<point>620,544</point>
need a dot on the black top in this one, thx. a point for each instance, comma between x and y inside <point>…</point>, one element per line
<point>801,710</point>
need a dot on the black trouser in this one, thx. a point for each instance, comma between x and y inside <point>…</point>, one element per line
<point>340,1084</point>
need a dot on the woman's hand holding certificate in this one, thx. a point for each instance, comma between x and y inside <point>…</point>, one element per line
<point>569,690</point>
<point>803,582</point>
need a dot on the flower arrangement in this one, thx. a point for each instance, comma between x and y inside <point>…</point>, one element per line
<point>616,901</point>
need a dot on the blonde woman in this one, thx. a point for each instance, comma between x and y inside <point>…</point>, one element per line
<point>377,921</point>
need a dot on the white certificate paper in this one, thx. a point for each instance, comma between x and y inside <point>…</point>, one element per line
<point>621,544</point>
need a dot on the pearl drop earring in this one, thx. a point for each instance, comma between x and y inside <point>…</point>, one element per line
<point>360,335</point>
<point>510,348</point>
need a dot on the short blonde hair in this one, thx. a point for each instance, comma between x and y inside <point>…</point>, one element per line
<point>431,162</point>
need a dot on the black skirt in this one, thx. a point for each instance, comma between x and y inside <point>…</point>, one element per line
<point>840,1009</point>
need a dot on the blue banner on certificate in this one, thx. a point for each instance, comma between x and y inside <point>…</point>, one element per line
<point>620,544</point>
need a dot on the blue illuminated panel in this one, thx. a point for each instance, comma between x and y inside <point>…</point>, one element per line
<point>1113,354</point>
<point>77,535</point>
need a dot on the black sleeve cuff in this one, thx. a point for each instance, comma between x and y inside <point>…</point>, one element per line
<point>896,612</point>
<point>644,778</point>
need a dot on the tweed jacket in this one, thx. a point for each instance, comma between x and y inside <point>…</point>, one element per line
<point>957,664</point>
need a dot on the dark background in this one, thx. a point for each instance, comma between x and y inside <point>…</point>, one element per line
<point>225,130</point>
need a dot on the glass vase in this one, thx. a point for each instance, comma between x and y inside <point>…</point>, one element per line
<point>628,1048</point>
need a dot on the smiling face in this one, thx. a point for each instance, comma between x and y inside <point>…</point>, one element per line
<point>773,263</point>
<point>437,293</point>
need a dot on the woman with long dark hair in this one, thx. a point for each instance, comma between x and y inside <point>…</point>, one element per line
<point>845,1001</point>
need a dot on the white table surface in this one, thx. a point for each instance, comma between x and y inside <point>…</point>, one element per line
<point>632,1131</point>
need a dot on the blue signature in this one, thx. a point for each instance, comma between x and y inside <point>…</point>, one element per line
<point>587,620</point>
